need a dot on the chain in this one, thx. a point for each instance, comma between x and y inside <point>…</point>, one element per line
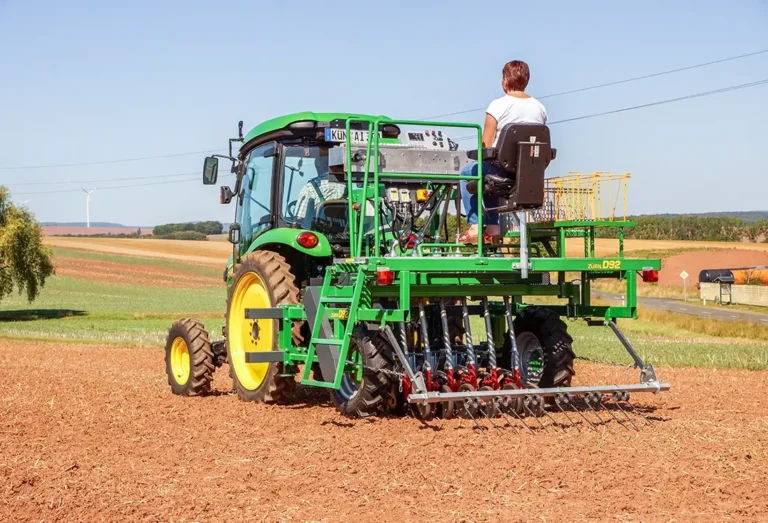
<point>392,373</point>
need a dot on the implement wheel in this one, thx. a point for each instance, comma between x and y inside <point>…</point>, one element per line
<point>545,348</point>
<point>188,358</point>
<point>263,279</point>
<point>367,392</point>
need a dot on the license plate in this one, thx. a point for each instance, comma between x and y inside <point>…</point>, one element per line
<point>340,135</point>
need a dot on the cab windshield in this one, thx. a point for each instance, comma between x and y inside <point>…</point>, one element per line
<point>309,200</point>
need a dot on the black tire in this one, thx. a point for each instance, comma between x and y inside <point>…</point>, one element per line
<point>539,329</point>
<point>188,358</point>
<point>373,394</point>
<point>279,282</point>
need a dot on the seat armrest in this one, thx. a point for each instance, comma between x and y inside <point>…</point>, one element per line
<point>489,153</point>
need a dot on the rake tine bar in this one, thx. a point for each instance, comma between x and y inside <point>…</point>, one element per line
<point>559,400</point>
<point>618,404</point>
<point>521,420</point>
<point>479,426</point>
<point>482,411</point>
<point>609,411</point>
<point>526,401</point>
<point>636,413</point>
<point>509,422</point>
<point>588,401</point>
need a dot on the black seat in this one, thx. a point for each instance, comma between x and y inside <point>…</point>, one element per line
<point>522,154</point>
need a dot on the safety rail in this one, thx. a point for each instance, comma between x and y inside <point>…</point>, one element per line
<point>356,230</point>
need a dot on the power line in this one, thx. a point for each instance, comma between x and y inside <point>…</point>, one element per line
<point>670,100</point>
<point>103,180</point>
<point>617,82</point>
<point>562,93</point>
<point>116,186</point>
<point>651,104</point>
<point>103,162</point>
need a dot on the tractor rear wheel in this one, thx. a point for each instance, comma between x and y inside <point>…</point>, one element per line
<point>544,347</point>
<point>367,392</point>
<point>188,358</point>
<point>263,279</point>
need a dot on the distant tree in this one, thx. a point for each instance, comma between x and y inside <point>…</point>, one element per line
<point>138,231</point>
<point>206,228</point>
<point>25,262</point>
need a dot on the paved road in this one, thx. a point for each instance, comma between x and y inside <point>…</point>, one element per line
<point>681,307</point>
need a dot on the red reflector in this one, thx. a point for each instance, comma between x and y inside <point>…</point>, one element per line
<point>307,240</point>
<point>411,241</point>
<point>356,206</point>
<point>650,275</point>
<point>384,276</point>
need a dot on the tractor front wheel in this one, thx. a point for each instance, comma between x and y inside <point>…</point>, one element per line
<point>263,279</point>
<point>188,358</point>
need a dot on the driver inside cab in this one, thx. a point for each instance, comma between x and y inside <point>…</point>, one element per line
<point>317,190</point>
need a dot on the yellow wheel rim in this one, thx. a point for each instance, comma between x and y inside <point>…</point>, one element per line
<point>180,361</point>
<point>249,293</point>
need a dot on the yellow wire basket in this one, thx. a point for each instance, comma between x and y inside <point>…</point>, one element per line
<point>599,196</point>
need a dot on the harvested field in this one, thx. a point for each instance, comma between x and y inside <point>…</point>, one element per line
<point>131,274</point>
<point>93,433</point>
<point>207,252</point>
<point>695,261</point>
<point>59,230</point>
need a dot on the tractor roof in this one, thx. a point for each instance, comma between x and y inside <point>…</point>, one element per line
<point>281,122</point>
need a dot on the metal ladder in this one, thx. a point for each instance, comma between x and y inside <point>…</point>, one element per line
<point>327,343</point>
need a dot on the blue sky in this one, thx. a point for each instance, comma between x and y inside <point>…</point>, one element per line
<point>89,81</point>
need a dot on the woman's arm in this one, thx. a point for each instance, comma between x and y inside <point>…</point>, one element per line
<point>489,130</point>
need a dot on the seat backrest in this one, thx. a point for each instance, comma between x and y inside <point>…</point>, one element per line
<point>524,151</point>
<point>512,136</point>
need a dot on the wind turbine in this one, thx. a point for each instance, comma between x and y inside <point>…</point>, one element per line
<point>88,206</point>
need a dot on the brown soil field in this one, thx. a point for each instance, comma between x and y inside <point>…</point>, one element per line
<point>608,247</point>
<point>91,433</point>
<point>58,230</point>
<point>695,261</point>
<point>139,275</point>
<point>206,252</point>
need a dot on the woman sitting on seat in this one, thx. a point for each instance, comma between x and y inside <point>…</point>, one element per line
<point>514,107</point>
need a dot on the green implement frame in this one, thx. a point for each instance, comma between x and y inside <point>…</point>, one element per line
<point>352,286</point>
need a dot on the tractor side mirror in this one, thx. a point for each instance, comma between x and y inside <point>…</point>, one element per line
<point>234,233</point>
<point>225,194</point>
<point>210,170</point>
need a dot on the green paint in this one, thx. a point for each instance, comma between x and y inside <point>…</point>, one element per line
<point>281,122</point>
<point>285,236</point>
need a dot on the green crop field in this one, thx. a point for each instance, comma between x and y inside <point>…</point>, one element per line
<point>131,301</point>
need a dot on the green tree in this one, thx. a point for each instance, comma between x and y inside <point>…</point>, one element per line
<point>25,262</point>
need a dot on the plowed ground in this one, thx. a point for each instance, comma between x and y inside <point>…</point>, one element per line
<point>127,274</point>
<point>92,433</point>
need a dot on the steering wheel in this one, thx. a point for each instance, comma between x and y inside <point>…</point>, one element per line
<point>290,210</point>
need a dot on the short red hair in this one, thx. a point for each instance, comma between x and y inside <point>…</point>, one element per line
<point>515,76</point>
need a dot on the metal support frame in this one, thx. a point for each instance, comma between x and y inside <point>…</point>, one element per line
<point>436,397</point>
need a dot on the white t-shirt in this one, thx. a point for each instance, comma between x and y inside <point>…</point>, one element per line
<point>509,109</point>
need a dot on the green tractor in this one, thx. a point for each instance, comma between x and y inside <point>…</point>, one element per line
<point>347,273</point>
